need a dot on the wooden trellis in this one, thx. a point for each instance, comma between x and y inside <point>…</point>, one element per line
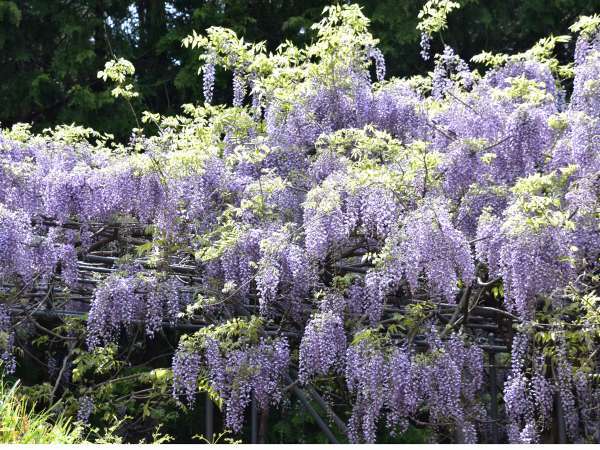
<point>492,323</point>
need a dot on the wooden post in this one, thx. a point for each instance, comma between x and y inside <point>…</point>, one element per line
<point>263,425</point>
<point>209,419</point>
<point>253,421</point>
<point>320,422</point>
<point>493,391</point>
<point>560,420</point>
<point>323,404</point>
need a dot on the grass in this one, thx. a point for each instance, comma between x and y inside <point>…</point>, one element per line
<point>20,424</point>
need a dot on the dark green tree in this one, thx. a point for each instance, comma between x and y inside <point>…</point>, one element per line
<point>51,51</point>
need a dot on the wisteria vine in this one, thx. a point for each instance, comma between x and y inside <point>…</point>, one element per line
<point>362,234</point>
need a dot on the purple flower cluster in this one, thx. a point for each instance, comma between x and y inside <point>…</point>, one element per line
<point>448,64</point>
<point>239,88</point>
<point>433,246</point>
<point>123,300</point>
<point>86,408</point>
<point>519,407</point>
<point>397,109</point>
<point>379,59</point>
<point>208,78</point>
<point>366,377</point>
<point>530,262</point>
<point>284,273</point>
<point>238,374</point>
<point>323,346</point>
<point>447,384</point>
<point>529,395</point>
<point>425,45</point>
<point>16,238</point>
<point>566,397</point>
<point>186,367</point>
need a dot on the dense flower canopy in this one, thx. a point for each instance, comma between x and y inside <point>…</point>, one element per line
<point>340,224</point>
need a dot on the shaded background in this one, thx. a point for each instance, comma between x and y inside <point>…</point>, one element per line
<point>51,50</point>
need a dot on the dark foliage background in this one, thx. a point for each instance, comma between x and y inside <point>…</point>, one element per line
<point>51,51</point>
